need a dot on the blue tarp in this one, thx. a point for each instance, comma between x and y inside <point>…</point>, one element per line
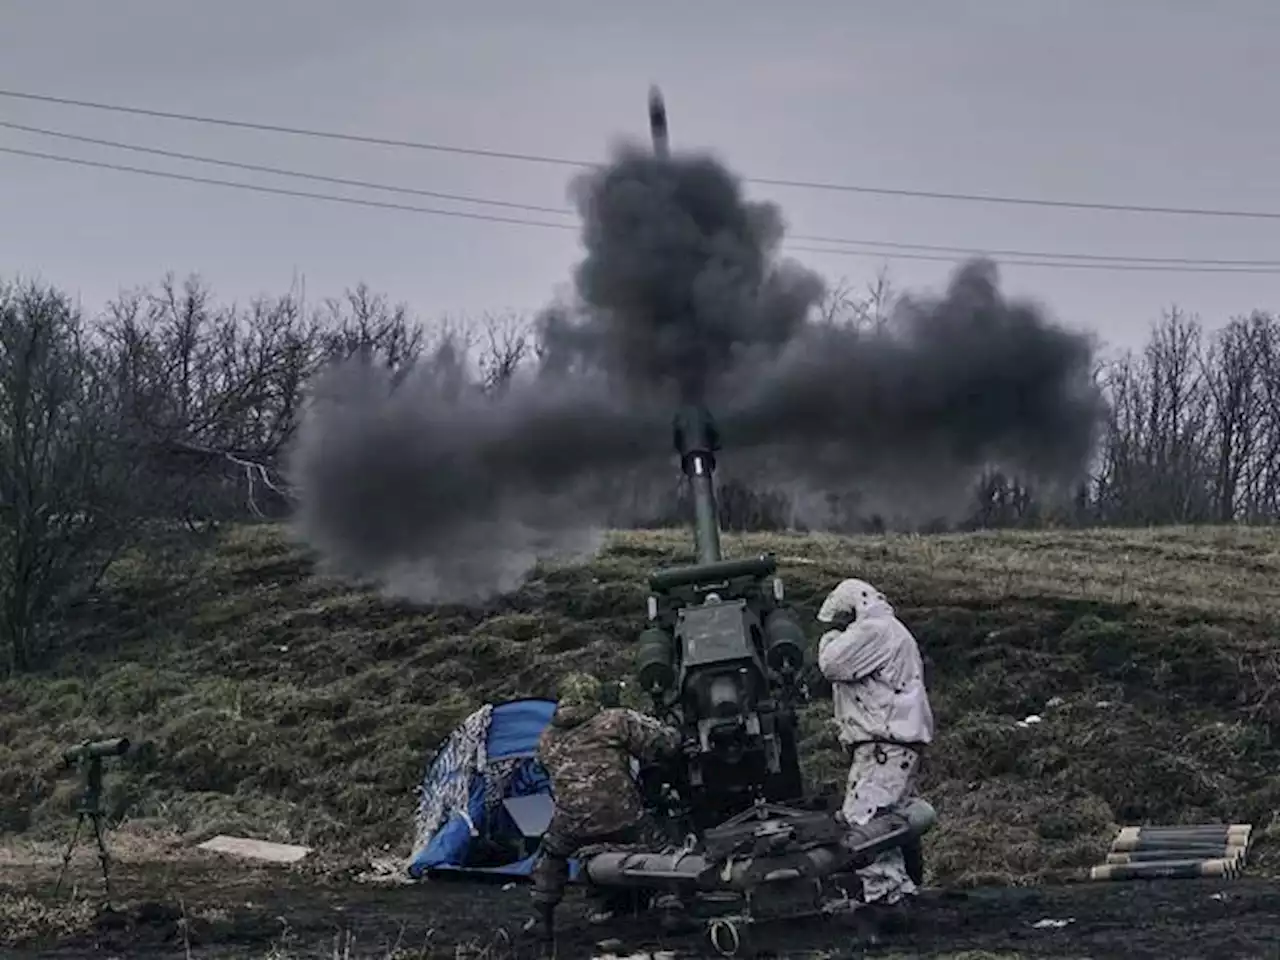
<point>516,726</point>
<point>514,729</point>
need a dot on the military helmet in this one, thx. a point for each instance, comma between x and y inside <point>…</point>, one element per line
<point>579,690</point>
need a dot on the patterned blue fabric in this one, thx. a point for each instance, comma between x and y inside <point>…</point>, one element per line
<point>504,765</point>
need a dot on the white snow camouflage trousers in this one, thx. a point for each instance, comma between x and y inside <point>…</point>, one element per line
<point>881,775</point>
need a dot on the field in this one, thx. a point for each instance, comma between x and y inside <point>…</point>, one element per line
<point>269,702</point>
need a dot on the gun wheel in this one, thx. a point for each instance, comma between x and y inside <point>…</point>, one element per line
<point>730,938</point>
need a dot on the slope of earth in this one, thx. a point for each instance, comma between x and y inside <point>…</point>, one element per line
<point>270,702</point>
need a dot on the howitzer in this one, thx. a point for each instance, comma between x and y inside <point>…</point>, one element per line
<point>722,659</point>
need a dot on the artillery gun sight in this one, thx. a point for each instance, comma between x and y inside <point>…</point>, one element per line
<point>92,750</point>
<point>88,756</point>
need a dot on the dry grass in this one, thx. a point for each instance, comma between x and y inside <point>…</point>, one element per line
<point>24,918</point>
<point>346,946</point>
<point>269,702</point>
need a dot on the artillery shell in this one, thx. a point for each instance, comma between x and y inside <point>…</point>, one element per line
<point>1175,843</point>
<point>1150,842</point>
<point>1234,854</point>
<point>1165,870</point>
<point>1189,828</point>
<point>658,122</point>
<point>1202,830</point>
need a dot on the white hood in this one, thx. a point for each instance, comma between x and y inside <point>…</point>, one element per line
<point>856,597</point>
<point>875,669</point>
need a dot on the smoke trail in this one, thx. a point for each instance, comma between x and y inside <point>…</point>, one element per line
<point>442,492</point>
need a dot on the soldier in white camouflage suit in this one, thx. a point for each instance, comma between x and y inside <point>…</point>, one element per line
<point>587,752</point>
<point>885,721</point>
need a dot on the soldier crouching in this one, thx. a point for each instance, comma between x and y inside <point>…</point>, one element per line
<point>587,751</point>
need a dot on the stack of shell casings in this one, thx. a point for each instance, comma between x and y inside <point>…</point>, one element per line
<point>1208,850</point>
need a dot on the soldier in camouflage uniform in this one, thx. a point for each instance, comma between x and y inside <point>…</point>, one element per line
<point>587,751</point>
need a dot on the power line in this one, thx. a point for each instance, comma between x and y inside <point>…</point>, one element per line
<point>279,171</point>
<point>1099,258</point>
<point>1068,265</point>
<point>467,215</point>
<point>571,162</point>
<point>1021,201</point>
<point>465,198</point>
<point>301,131</point>
<point>304,194</point>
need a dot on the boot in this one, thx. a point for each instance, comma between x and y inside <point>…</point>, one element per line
<point>865,927</point>
<point>895,919</point>
<point>542,923</point>
<point>609,905</point>
<point>878,920</point>
<point>913,860</point>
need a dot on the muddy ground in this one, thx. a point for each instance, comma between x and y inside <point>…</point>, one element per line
<point>223,911</point>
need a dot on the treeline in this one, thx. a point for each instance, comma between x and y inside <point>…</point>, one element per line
<point>169,413</point>
<point>164,416</point>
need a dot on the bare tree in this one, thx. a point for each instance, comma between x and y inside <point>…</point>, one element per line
<point>1156,445</point>
<point>64,481</point>
<point>869,310</point>
<point>507,343</point>
<point>1230,371</point>
<point>365,324</point>
<point>1261,481</point>
<point>210,394</point>
<point>1001,500</point>
<point>880,299</point>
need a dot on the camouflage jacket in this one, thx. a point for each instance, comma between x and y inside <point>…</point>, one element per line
<point>587,754</point>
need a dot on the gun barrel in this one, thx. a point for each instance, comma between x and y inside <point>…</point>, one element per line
<point>706,524</point>
<point>697,440</point>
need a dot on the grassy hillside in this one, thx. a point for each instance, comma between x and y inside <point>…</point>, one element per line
<point>272,703</point>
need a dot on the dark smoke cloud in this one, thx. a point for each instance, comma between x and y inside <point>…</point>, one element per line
<point>950,382</point>
<point>441,492</point>
<point>681,279</point>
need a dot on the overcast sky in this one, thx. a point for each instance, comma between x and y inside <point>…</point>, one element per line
<point>1152,102</point>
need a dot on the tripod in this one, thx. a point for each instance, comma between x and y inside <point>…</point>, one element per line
<point>90,809</point>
